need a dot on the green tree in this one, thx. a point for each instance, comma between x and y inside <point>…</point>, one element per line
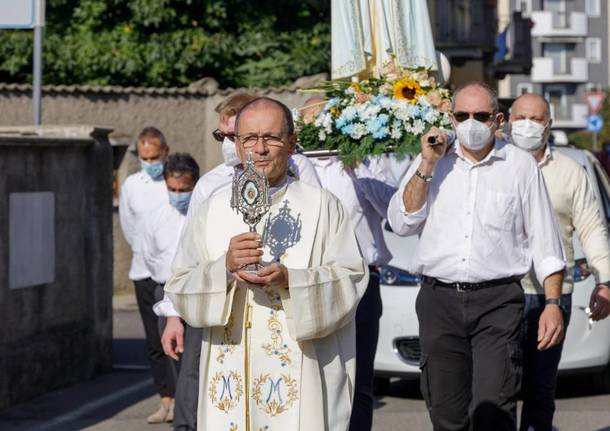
<point>174,42</point>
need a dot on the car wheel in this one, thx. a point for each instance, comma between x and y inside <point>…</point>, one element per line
<point>381,385</point>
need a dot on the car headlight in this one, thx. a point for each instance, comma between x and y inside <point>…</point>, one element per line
<point>581,270</point>
<point>393,276</point>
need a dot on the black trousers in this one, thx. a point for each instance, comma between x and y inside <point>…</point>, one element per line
<point>471,356</point>
<point>147,293</point>
<point>367,333</point>
<point>187,387</point>
<point>539,368</point>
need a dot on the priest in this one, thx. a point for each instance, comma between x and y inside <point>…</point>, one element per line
<point>279,346</point>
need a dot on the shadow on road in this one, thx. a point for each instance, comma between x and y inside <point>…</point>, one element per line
<point>405,389</point>
<point>91,402</point>
<point>567,387</point>
<point>577,386</point>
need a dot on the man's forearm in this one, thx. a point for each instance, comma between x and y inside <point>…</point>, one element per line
<point>552,285</point>
<point>416,192</point>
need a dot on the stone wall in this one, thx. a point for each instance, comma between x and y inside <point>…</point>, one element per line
<point>185,115</point>
<point>58,332</point>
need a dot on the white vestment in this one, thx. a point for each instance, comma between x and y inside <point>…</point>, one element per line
<point>274,360</point>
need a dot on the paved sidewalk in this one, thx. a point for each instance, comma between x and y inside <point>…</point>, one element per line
<point>122,399</point>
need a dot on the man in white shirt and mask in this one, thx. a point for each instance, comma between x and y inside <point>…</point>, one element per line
<point>141,193</point>
<point>176,338</point>
<point>483,215</point>
<point>577,211</point>
<point>161,232</point>
<point>278,350</point>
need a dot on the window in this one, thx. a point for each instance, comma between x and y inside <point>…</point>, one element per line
<point>524,88</point>
<point>558,8</point>
<point>557,96</point>
<point>593,8</point>
<point>594,50</point>
<point>557,52</point>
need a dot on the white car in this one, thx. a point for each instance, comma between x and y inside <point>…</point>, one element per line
<point>587,346</point>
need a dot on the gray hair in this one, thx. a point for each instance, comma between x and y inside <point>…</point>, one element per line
<point>493,97</point>
<point>151,132</point>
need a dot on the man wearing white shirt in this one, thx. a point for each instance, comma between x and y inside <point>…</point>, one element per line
<point>365,195</point>
<point>141,194</point>
<point>161,233</point>
<point>577,211</point>
<point>483,216</point>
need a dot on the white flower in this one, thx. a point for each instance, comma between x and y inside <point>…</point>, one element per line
<point>328,121</point>
<point>349,112</point>
<point>405,111</point>
<point>423,101</point>
<point>296,114</point>
<point>431,116</point>
<point>418,127</point>
<point>361,108</point>
<point>359,131</point>
<point>372,110</point>
<point>395,133</point>
<point>321,135</point>
<point>320,119</point>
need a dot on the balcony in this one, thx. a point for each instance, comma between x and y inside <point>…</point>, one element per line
<point>570,117</point>
<point>552,24</point>
<point>575,70</point>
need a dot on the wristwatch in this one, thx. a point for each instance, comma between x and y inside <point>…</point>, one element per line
<point>553,301</point>
<point>426,178</point>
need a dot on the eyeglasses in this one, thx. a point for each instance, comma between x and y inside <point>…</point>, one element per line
<point>483,116</point>
<point>251,139</point>
<point>220,135</point>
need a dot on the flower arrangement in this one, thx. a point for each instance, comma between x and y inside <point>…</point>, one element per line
<point>377,115</point>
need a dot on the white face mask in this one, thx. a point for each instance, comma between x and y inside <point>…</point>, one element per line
<point>473,134</point>
<point>528,135</point>
<point>229,153</point>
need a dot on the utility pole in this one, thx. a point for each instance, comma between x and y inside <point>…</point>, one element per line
<point>37,74</point>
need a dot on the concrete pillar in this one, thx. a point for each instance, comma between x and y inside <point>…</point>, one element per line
<point>55,258</point>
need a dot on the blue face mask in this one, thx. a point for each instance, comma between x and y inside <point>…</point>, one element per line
<point>180,200</point>
<point>154,170</point>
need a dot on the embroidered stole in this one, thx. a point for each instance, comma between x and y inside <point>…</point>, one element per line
<point>254,369</point>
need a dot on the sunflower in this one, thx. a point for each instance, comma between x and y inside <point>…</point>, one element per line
<point>407,89</point>
<point>356,87</point>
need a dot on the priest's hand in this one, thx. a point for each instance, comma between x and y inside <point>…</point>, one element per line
<point>271,276</point>
<point>172,339</point>
<point>244,249</point>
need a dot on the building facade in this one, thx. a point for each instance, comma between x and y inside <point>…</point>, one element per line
<point>570,55</point>
<point>465,31</point>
